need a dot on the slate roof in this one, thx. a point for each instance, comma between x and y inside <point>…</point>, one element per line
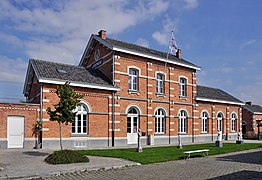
<point>50,70</point>
<point>215,94</point>
<point>147,51</point>
<point>253,108</point>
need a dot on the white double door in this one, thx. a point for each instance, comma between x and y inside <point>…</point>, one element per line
<point>132,128</point>
<point>15,132</point>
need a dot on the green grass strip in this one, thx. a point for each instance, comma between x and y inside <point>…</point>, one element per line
<point>168,153</point>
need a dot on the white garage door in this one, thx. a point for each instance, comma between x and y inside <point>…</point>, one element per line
<point>15,132</point>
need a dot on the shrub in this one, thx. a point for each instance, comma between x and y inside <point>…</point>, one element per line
<point>66,157</point>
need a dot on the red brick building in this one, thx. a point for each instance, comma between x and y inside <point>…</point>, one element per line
<point>252,120</point>
<point>127,87</point>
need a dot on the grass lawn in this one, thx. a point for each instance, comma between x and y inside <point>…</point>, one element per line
<point>168,153</point>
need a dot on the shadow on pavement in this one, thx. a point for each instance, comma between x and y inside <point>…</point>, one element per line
<point>35,153</point>
<point>240,175</point>
<point>251,158</point>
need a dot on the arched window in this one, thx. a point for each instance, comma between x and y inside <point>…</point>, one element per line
<point>81,120</point>
<point>204,118</point>
<point>132,120</point>
<point>233,122</point>
<point>133,79</point>
<point>183,83</point>
<point>160,121</point>
<point>183,121</point>
<point>160,83</point>
<point>220,122</point>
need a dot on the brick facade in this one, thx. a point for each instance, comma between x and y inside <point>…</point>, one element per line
<point>108,117</point>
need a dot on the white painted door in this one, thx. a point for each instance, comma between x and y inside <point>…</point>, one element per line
<point>132,127</point>
<point>15,132</point>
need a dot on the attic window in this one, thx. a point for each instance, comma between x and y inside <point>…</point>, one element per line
<point>61,70</point>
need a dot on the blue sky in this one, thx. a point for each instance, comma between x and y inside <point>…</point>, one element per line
<point>223,37</point>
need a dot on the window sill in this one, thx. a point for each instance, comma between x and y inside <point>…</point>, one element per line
<point>79,135</point>
<point>133,92</point>
<point>183,97</point>
<point>160,95</point>
<point>204,132</point>
<point>159,134</point>
<point>182,133</point>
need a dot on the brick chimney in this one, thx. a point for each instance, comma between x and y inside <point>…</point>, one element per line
<point>179,53</point>
<point>249,103</point>
<point>102,34</point>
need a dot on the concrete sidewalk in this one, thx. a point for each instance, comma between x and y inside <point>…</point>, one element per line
<point>23,164</point>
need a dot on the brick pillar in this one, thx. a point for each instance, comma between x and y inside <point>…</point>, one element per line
<point>150,85</point>
<point>213,123</point>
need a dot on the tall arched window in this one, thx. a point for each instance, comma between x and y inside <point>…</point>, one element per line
<point>133,79</point>
<point>81,120</point>
<point>220,122</point>
<point>183,83</point>
<point>160,83</point>
<point>204,118</point>
<point>160,121</point>
<point>233,122</point>
<point>183,121</point>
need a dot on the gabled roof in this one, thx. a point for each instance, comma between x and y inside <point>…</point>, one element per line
<point>58,73</point>
<point>215,95</point>
<point>256,109</point>
<point>134,49</point>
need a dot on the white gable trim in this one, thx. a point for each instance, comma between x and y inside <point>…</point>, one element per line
<point>218,101</point>
<point>48,81</point>
<point>153,57</point>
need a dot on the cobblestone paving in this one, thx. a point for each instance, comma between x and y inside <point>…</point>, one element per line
<point>238,166</point>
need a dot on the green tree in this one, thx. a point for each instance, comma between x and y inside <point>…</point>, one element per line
<point>64,110</point>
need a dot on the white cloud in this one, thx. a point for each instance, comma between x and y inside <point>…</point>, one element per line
<point>247,43</point>
<point>163,36</point>
<point>60,31</point>
<point>142,42</point>
<point>12,69</point>
<point>191,4</point>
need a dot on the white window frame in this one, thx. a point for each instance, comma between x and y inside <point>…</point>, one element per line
<point>133,79</point>
<point>183,118</point>
<point>220,122</point>
<point>204,122</point>
<point>183,86</point>
<point>233,122</point>
<point>160,83</point>
<point>160,117</point>
<point>82,113</point>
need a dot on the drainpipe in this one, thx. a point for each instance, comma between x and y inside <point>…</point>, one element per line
<point>113,100</point>
<point>41,112</point>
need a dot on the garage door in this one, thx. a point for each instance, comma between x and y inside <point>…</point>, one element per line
<point>15,132</point>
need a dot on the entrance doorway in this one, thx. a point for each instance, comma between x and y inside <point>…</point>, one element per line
<point>132,125</point>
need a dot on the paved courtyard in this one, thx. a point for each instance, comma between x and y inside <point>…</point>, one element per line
<point>17,164</point>
<point>247,165</point>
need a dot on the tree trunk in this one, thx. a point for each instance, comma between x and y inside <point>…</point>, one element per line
<point>60,129</point>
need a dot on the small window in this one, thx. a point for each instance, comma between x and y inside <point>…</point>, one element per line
<point>133,79</point>
<point>183,83</point>
<point>183,121</point>
<point>204,118</point>
<point>160,83</point>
